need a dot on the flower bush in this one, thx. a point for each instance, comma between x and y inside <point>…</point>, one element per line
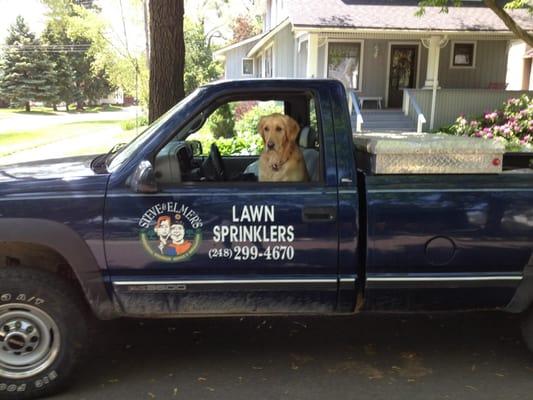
<point>512,124</point>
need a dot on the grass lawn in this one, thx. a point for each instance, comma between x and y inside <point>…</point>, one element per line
<point>48,111</point>
<point>87,137</point>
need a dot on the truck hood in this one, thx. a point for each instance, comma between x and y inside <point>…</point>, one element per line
<point>75,167</point>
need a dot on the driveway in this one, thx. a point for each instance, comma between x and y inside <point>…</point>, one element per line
<point>471,356</point>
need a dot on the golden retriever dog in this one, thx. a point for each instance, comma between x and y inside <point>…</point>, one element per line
<point>281,159</point>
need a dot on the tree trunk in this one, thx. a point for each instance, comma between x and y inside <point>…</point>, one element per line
<point>66,106</point>
<point>28,109</point>
<point>79,106</point>
<point>167,56</point>
<point>509,21</point>
<point>54,107</point>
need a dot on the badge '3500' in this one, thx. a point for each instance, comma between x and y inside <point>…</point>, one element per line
<point>171,232</point>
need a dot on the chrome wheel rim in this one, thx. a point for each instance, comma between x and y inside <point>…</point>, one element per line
<point>29,341</point>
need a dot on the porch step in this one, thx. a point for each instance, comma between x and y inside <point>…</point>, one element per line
<point>390,120</point>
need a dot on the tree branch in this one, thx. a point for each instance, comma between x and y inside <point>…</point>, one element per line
<point>509,21</point>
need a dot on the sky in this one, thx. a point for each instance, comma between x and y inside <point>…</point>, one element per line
<point>35,14</point>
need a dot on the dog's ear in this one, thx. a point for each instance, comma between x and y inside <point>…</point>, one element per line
<point>292,128</point>
<point>260,127</point>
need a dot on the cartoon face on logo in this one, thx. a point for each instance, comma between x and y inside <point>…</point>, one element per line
<point>171,232</point>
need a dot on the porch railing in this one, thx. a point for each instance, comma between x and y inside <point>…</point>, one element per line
<point>451,103</point>
<point>411,108</point>
<point>355,110</point>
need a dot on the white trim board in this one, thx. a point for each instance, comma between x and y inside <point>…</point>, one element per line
<point>361,61</point>
<point>474,54</point>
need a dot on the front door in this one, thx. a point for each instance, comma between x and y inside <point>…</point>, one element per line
<point>402,72</point>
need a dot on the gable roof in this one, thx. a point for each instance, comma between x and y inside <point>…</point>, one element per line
<point>397,14</point>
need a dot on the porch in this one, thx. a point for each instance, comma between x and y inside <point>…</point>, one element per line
<point>418,114</point>
<point>432,111</point>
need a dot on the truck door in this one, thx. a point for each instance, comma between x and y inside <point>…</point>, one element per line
<point>201,245</point>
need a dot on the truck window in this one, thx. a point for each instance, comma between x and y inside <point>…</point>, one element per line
<point>228,146</point>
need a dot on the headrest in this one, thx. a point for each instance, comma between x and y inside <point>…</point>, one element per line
<point>307,137</point>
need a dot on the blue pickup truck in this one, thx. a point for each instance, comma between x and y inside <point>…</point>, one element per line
<point>163,227</point>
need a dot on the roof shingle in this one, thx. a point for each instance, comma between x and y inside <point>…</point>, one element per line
<point>395,14</point>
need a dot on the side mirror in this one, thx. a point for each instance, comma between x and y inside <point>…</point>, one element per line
<point>196,147</point>
<point>143,179</point>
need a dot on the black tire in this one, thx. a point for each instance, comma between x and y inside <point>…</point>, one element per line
<point>38,303</point>
<point>527,328</point>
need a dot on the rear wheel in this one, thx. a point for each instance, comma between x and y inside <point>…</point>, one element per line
<point>43,332</point>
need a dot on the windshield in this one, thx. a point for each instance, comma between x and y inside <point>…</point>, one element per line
<point>127,151</point>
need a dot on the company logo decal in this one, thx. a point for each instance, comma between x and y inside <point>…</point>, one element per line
<point>171,232</point>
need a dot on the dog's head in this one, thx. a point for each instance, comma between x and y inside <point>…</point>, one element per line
<point>278,130</point>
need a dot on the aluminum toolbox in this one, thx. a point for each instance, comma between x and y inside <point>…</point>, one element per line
<point>423,153</point>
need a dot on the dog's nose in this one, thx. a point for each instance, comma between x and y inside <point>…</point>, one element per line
<point>270,145</point>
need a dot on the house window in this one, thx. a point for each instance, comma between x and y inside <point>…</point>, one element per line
<point>463,55</point>
<point>247,66</point>
<point>268,62</point>
<point>344,63</point>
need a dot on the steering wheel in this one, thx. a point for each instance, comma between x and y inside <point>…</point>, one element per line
<point>213,167</point>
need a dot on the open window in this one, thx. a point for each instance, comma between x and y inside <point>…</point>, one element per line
<point>222,143</point>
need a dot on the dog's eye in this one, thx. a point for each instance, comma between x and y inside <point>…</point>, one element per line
<point>267,128</point>
<point>278,128</point>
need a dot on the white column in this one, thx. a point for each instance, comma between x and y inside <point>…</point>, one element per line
<point>433,61</point>
<point>312,56</point>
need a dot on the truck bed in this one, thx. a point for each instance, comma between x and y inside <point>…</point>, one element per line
<point>435,232</point>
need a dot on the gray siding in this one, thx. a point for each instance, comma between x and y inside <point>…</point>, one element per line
<point>284,53</point>
<point>233,64</point>
<point>491,63</point>
<point>451,103</point>
<point>491,66</point>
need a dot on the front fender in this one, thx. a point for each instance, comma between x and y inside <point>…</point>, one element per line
<point>73,248</point>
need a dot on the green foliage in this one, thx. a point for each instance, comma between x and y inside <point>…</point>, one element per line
<point>133,123</point>
<point>200,67</point>
<point>221,123</point>
<point>81,77</point>
<point>26,72</point>
<point>512,124</point>
<point>445,4</point>
<point>250,120</point>
<point>246,140</point>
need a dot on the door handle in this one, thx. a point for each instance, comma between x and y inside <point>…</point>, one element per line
<point>319,214</point>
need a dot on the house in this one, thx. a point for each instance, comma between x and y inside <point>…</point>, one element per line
<point>418,72</point>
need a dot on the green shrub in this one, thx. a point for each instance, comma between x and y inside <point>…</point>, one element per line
<point>221,123</point>
<point>246,140</point>
<point>130,124</point>
<point>250,120</point>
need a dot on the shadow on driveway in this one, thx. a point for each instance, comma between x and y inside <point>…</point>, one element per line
<point>470,356</point>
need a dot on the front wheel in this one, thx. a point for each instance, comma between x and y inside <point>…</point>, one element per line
<point>43,332</point>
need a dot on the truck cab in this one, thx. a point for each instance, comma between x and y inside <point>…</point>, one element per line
<point>256,247</point>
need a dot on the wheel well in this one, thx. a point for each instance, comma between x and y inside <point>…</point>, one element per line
<point>13,254</point>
